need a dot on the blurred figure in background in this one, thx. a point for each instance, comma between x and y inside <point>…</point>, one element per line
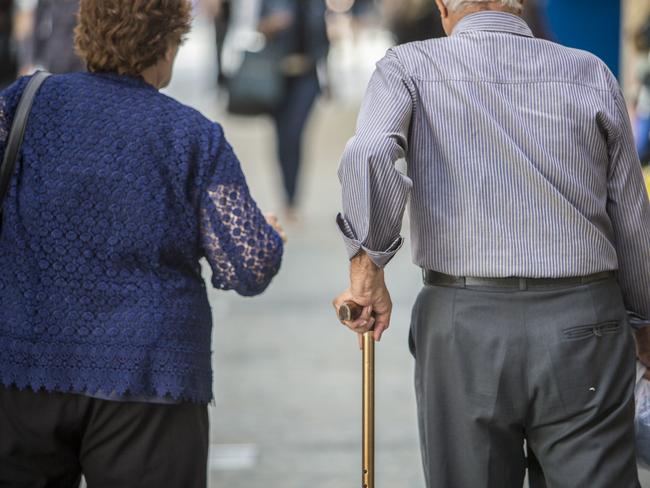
<point>362,7</point>
<point>642,41</point>
<point>536,18</point>
<point>297,28</point>
<point>221,12</point>
<point>418,20</point>
<point>50,44</point>
<point>7,58</point>
<point>413,20</point>
<point>54,36</point>
<point>238,23</point>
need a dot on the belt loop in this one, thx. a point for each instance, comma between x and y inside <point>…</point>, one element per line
<point>523,284</point>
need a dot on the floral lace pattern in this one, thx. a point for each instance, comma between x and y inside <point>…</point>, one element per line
<point>232,226</point>
<point>118,193</point>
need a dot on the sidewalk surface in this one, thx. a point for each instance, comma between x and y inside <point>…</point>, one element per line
<point>287,380</point>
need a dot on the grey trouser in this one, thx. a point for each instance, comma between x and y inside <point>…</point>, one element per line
<point>554,368</point>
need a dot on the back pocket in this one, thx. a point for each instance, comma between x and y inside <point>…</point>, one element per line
<point>591,366</point>
<point>587,331</point>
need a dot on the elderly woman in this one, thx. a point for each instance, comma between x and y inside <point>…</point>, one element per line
<point>105,324</point>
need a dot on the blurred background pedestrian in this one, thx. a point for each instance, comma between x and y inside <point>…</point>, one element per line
<point>362,7</point>
<point>535,17</point>
<point>296,29</point>
<point>412,20</point>
<point>53,36</point>
<point>7,47</point>
<point>642,42</point>
<point>221,12</point>
<point>47,41</point>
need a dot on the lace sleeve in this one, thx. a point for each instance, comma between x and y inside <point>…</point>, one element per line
<point>243,250</point>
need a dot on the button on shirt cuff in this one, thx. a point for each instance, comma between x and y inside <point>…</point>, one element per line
<point>354,246</point>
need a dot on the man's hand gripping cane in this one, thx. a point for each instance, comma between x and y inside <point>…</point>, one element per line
<point>368,289</point>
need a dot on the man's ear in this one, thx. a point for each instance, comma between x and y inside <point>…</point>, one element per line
<point>444,11</point>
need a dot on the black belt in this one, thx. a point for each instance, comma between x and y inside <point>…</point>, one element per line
<point>439,279</point>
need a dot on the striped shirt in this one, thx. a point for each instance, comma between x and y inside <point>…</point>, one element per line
<point>521,161</point>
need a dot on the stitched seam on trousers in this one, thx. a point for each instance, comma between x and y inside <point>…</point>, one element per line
<point>415,321</point>
<point>453,332</point>
<point>556,382</point>
<point>453,313</point>
<point>418,392</point>
<point>593,305</point>
<point>524,318</point>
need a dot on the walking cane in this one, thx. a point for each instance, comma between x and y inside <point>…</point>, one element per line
<point>352,311</point>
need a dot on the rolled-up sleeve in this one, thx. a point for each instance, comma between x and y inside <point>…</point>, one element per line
<point>629,211</point>
<point>243,250</point>
<point>375,193</point>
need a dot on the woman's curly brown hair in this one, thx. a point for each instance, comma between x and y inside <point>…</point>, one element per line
<point>128,36</point>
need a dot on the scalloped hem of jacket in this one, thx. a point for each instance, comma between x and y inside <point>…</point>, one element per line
<point>161,395</point>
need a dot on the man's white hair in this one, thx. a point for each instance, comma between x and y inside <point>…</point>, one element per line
<point>455,5</point>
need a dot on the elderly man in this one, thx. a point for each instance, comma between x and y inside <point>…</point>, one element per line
<point>530,222</point>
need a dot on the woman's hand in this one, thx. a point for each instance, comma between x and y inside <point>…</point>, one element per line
<point>273,221</point>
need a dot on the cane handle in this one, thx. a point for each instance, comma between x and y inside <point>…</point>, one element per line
<point>350,311</point>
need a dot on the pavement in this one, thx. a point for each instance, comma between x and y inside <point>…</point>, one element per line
<point>287,410</point>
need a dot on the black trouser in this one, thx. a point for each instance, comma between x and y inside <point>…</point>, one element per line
<point>48,440</point>
<point>290,120</point>
<point>221,24</point>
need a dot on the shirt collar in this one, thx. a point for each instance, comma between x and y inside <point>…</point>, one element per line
<point>491,21</point>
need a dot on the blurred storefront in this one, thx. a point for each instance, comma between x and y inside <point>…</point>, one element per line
<point>593,25</point>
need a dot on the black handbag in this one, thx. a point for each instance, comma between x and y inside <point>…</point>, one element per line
<point>17,132</point>
<point>258,87</point>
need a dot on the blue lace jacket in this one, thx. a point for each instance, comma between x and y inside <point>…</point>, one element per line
<point>118,192</point>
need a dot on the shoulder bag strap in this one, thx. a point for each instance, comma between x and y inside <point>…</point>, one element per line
<point>17,133</point>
